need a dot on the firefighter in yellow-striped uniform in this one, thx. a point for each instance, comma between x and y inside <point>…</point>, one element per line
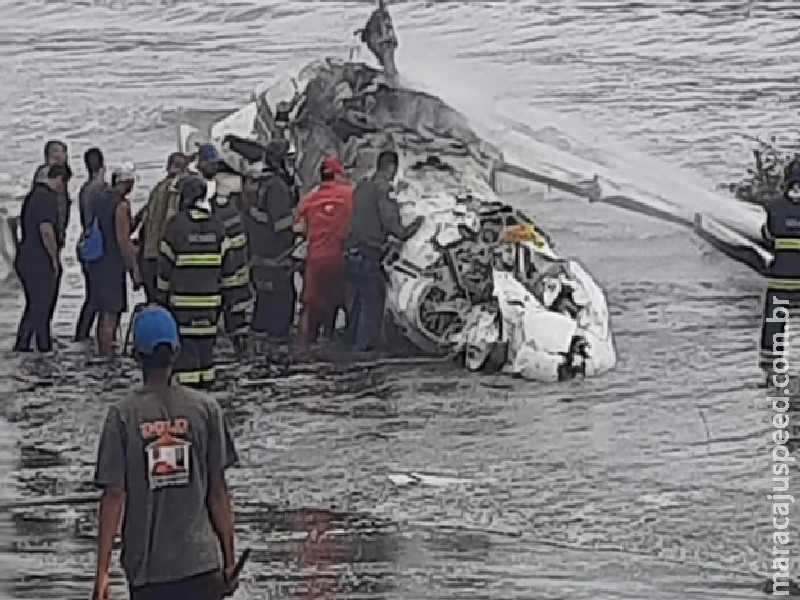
<point>783,284</point>
<point>237,315</point>
<point>197,281</point>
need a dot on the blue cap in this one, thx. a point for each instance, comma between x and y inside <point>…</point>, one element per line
<point>154,325</point>
<point>207,153</point>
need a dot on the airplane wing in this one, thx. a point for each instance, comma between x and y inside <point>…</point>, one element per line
<point>731,226</point>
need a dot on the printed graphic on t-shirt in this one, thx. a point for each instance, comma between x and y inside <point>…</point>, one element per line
<point>168,456</point>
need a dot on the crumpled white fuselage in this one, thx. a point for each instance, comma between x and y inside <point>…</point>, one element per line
<point>523,322</point>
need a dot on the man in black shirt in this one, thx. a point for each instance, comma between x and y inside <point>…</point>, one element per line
<point>376,216</point>
<point>55,153</point>
<point>37,261</point>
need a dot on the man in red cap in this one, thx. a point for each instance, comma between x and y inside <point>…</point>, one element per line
<point>324,218</point>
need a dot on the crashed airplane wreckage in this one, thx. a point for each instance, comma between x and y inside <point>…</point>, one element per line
<point>479,278</point>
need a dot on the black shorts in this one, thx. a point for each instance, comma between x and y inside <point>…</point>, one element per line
<point>206,586</point>
<point>108,289</point>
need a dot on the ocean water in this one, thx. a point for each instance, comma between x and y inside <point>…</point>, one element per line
<point>648,482</point>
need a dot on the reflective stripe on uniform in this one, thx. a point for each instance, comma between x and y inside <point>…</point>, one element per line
<point>260,261</point>
<point>232,221</point>
<point>259,215</point>
<point>184,301</point>
<point>198,215</point>
<point>166,250</point>
<point>787,244</point>
<point>284,223</point>
<point>237,242</point>
<point>162,284</point>
<point>202,376</point>
<point>242,307</point>
<point>199,260</point>
<point>238,279</point>
<point>792,285</point>
<point>199,330</point>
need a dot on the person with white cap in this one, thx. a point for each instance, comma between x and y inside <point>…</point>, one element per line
<point>197,281</point>
<point>161,461</point>
<point>109,293</point>
<point>235,314</point>
<point>251,179</point>
<point>268,223</point>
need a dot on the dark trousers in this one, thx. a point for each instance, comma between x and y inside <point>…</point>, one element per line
<point>40,287</point>
<point>87,316</point>
<point>149,269</point>
<point>276,300</point>
<point>777,306</point>
<point>194,365</point>
<point>235,323</point>
<point>365,299</point>
<point>57,290</point>
<point>206,586</point>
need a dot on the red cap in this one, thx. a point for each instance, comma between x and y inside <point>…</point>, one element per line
<point>333,166</point>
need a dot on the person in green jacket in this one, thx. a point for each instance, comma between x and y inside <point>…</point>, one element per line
<point>162,204</point>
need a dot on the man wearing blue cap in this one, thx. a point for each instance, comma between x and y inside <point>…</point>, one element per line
<point>162,459</point>
<point>207,161</point>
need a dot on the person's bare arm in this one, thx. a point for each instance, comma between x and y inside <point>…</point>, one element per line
<point>301,218</point>
<point>221,455</point>
<point>301,226</point>
<point>390,215</point>
<point>110,475</point>
<point>48,233</point>
<point>139,218</point>
<point>111,504</point>
<point>122,220</point>
<point>219,506</point>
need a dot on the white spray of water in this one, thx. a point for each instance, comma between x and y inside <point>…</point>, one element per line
<point>562,145</point>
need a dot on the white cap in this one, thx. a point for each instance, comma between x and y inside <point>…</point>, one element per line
<point>124,173</point>
<point>254,170</point>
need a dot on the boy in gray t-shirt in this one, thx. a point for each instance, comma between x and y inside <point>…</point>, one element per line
<point>162,457</point>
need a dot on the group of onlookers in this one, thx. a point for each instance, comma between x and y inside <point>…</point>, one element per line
<point>210,252</point>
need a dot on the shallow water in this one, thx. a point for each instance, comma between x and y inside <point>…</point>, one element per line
<point>648,482</point>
